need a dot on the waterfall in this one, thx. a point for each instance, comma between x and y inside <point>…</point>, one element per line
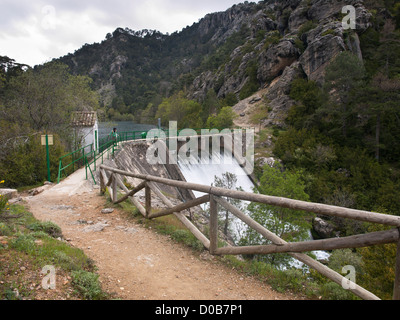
<point>204,172</point>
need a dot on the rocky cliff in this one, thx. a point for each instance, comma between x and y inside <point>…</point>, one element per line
<point>288,39</point>
<point>249,47</point>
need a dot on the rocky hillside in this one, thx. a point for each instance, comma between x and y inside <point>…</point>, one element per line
<point>288,39</point>
<point>238,52</point>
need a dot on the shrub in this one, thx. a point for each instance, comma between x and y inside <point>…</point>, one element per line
<point>48,227</point>
<point>87,285</point>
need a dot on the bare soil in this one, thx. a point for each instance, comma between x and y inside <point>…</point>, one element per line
<point>134,262</point>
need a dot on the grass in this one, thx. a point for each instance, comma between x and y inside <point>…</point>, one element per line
<point>27,246</point>
<point>168,225</point>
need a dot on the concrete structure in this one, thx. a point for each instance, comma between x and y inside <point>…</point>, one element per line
<point>86,127</point>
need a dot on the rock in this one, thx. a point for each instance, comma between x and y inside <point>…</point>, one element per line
<point>298,17</point>
<point>98,227</point>
<point>107,211</point>
<point>262,22</point>
<point>282,84</point>
<point>319,53</point>
<point>9,193</point>
<point>323,10</point>
<point>323,228</point>
<point>254,100</point>
<point>36,191</point>
<point>262,161</point>
<point>273,62</point>
<point>15,200</point>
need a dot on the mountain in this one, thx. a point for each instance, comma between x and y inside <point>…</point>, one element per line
<point>249,47</point>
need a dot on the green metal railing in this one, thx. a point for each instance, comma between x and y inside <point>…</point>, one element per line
<point>89,155</point>
<point>74,160</point>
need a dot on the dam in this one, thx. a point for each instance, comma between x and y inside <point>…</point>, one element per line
<point>192,168</point>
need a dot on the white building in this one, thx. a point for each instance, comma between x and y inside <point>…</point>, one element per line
<point>86,128</point>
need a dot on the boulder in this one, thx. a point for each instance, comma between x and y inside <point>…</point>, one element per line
<point>278,95</point>
<point>319,53</point>
<point>324,229</point>
<point>298,17</point>
<point>273,61</point>
<point>9,193</point>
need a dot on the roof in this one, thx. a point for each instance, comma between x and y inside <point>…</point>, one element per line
<point>84,118</point>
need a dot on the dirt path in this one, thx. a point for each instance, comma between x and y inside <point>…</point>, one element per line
<point>134,262</point>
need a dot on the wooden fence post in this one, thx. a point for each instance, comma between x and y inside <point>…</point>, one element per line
<point>114,189</point>
<point>102,183</point>
<point>148,200</point>
<point>213,225</point>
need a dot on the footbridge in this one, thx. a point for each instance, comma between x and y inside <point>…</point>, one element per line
<point>160,190</point>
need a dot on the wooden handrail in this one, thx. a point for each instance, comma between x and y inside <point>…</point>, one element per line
<point>318,208</point>
<point>213,195</point>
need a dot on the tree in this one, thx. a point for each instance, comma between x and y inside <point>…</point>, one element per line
<point>286,223</point>
<point>344,76</point>
<point>378,267</point>
<point>381,97</point>
<point>38,101</point>
<point>227,181</point>
<point>44,99</point>
<point>309,97</point>
<point>210,105</point>
<point>223,120</point>
<point>178,108</point>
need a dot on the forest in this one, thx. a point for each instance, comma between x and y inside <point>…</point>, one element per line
<point>36,101</point>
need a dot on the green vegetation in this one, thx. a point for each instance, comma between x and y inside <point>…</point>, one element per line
<point>34,102</point>
<point>177,108</point>
<point>344,138</point>
<point>191,114</point>
<point>224,119</point>
<point>27,246</point>
<point>168,225</point>
<point>287,224</point>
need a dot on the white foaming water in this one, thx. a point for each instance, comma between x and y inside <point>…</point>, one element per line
<point>204,172</point>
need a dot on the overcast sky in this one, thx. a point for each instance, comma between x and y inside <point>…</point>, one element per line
<point>34,32</point>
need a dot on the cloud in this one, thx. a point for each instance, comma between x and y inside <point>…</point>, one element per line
<point>34,32</point>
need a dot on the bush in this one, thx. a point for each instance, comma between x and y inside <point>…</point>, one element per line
<point>24,243</point>
<point>87,285</point>
<point>48,227</point>
<point>5,230</point>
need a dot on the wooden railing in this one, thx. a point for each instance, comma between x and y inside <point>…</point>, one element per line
<point>110,178</point>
